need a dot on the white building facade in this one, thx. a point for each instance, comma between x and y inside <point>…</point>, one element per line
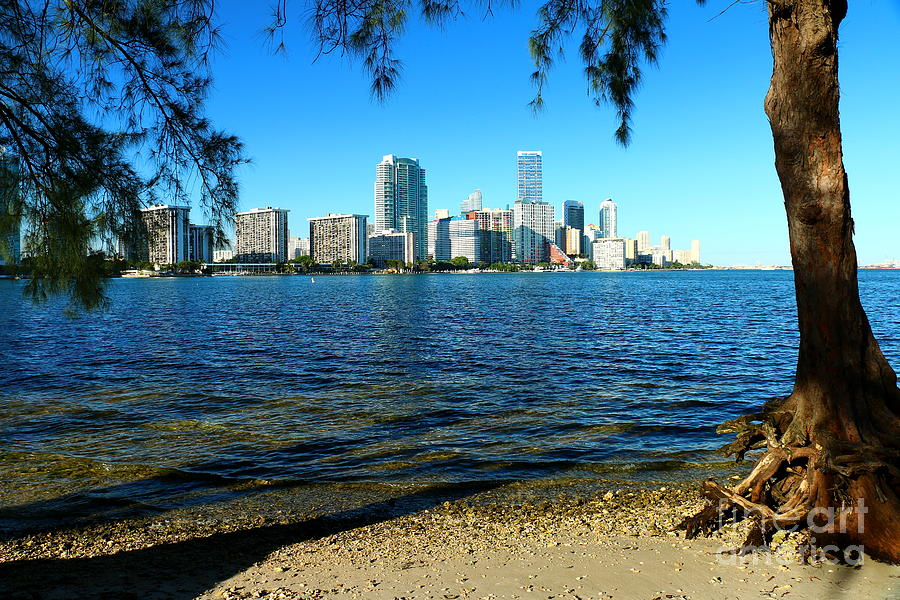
<point>534,228</point>
<point>609,219</point>
<point>609,254</point>
<point>340,238</point>
<point>392,245</point>
<point>167,231</point>
<point>261,235</point>
<point>401,199</point>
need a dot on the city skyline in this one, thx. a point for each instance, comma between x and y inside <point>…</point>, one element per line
<point>701,159</point>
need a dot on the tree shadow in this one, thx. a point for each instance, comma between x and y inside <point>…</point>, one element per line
<point>185,569</point>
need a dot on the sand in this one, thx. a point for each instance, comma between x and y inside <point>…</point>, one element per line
<point>614,545</point>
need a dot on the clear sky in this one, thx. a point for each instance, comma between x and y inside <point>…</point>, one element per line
<point>700,164</point>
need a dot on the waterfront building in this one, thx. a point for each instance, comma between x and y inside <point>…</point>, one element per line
<point>167,234</point>
<point>496,226</point>
<point>660,256</point>
<point>571,240</point>
<point>454,237</point>
<point>609,254</point>
<point>533,230</point>
<point>261,235</point>
<point>695,251</point>
<point>573,214</point>
<point>682,256</point>
<point>340,238</point>
<point>401,199</point>
<point>298,246</point>
<point>665,242</point>
<point>439,236</point>
<point>220,256</point>
<point>473,202</point>
<point>609,219</point>
<point>392,245</point>
<point>201,243</point>
<point>465,239</point>
<point>10,221</point>
<point>529,171</point>
<point>631,251</point>
<point>643,239</point>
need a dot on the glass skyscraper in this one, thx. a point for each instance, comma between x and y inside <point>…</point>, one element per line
<point>401,199</point>
<point>609,227</point>
<point>529,168</point>
<point>573,214</point>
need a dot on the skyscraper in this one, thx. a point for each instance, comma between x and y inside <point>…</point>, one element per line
<point>261,235</point>
<point>401,199</point>
<point>643,239</point>
<point>573,214</point>
<point>609,226</point>
<point>665,242</point>
<point>695,251</point>
<point>496,228</point>
<point>201,243</point>
<point>529,169</point>
<point>473,202</point>
<point>534,229</point>
<point>167,233</point>
<point>339,238</point>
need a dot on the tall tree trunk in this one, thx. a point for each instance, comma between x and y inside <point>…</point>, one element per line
<point>834,444</point>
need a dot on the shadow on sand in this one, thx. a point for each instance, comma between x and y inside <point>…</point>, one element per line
<point>186,569</point>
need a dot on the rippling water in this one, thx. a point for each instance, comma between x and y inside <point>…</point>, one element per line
<point>189,383</point>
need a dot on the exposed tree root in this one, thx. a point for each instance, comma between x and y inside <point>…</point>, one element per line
<point>824,485</point>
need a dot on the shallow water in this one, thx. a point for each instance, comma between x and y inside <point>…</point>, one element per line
<point>188,389</point>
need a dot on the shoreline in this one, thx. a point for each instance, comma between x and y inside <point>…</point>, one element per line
<point>613,544</point>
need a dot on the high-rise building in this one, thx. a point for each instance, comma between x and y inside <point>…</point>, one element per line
<point>609,254</point>
<point>665,242</point>
<point>682,256</point>
<point>643,239</point>
<point>392,245</point>
<point>573,214</point>
<point>340,238</point>
<point>10,219</point>
<point>454,237</point>
<point>261,235</point>
<point>695,251</point>
<point>473,202</point>
<point>201,243</point>
<point>439,235</point>
<point>609,219</point>
<point>572,240</point>
<point>631,251</point>
<point>533,230</point>
<point>167,231</point>
<point>401,199</point>
<point>298,247</point>
<point>465,239</point>
<point>496,226</point>
<point>529,169</point>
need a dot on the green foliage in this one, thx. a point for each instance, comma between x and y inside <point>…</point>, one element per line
<point>86,85</point>
<point>460,262</point>
<point>589,265</point>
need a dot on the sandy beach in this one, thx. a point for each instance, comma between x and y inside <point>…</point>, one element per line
<point>613,544</point>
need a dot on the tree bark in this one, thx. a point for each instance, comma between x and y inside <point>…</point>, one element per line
<point>833,446</point>
<point>845,396</point>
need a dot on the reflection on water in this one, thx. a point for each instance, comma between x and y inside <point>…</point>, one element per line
<point>196,384</point>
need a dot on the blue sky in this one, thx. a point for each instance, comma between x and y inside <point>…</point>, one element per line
<point>700,164</point>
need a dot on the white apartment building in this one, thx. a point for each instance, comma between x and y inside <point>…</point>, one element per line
<point>609,254</point>
<point>339,238</point>
<point>261,235</point>
<point>643,239</point>
<point>609,219</point>
<point>298,247</point>
<point>695,251</point>
<point>401,199</point>
<point>167,230</point>
<point>534,228</point>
